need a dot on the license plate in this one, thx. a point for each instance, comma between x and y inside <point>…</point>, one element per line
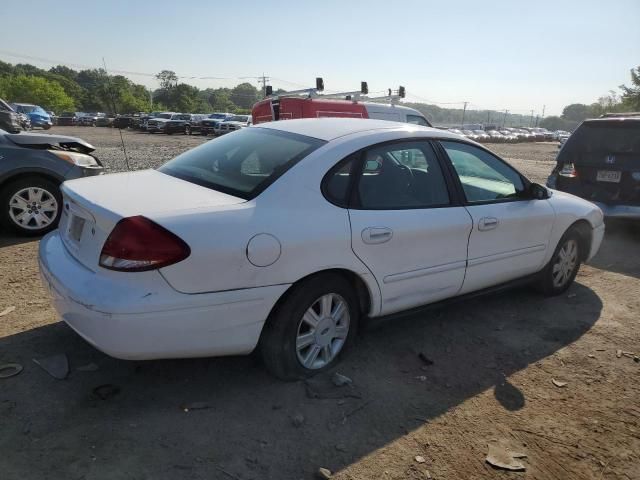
<point>75,228</point>
<point>608,176</point>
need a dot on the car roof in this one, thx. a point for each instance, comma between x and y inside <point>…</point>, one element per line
<point>330,128</point>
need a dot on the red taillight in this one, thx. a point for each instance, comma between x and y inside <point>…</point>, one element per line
<point>137,244</point>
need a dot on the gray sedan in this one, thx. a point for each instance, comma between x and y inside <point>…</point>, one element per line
<point>32,167</point>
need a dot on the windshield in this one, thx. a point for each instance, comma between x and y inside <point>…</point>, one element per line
<point>163,115</point>
<point>26,108</point>
<point>239,118</point>
<point>181,117</point>
<point>242,163</point>
<point>218,115</point>
<point>605,137</point>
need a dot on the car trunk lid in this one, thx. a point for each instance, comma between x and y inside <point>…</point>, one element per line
<point>93,206</point>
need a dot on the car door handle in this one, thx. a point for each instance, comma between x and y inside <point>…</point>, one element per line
<point>373,235</point>
<point>487,223</point>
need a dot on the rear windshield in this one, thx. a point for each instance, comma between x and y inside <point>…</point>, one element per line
<point>605,137</point>
<point>242,163</point>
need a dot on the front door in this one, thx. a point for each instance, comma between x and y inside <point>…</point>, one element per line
<point>405,225</point>
<point>510,234</point>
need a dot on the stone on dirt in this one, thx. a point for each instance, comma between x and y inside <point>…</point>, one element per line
<point>340,380</point>
<point>297,420</point>
<point>7,311</point>
<point>500,456</point>
<point>324,473</point>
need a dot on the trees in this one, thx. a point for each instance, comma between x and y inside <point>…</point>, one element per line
<point>631,95</point>
<point>576,112</point>
<point>38,90</point>
<point>244,95</point>
<point>167,78</point>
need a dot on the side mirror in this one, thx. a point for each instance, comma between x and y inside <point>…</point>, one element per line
<point>537,192</point>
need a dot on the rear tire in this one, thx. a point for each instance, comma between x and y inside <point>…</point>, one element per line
<point>187,130</point>
<point>311,328</point>
<point>563,267</point>
<point>30,206</point>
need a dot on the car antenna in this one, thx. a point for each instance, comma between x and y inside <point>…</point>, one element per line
<point>113,104</point>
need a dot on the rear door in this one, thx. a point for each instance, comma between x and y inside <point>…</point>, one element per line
<point>510,234</point>
<point>405,224</point>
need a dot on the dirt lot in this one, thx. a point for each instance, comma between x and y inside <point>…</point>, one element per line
<point>494,362</point>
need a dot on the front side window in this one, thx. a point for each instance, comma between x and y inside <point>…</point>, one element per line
<point>401,175</point>
<point>243,163</point>
<point>484,178</point>
<point>417,120</point>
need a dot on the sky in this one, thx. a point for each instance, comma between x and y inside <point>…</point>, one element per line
<point>513,55</point>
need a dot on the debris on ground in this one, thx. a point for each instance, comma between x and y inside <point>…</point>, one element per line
<point>10,370</point>
<point>340,380</point>
<point>427,361</point>
<point>89,367</point>
<point>297,420</point>
<point>7,311</point>
<point>341,447</point>
<point>419,459</point>
<point>323,387</point>
<point>56,365</point>
<point>422,378</point>
<point>558,383</point>
<point>619,353</point>
<point>500,456</point>
<point>106,391</point>
<point>324,473</point>
<point>194,406</point>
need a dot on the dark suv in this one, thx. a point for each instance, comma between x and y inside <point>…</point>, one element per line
<point>600,162</point>
<point>9,119</point>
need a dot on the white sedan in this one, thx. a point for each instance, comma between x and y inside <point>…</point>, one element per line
<point>284,237</point>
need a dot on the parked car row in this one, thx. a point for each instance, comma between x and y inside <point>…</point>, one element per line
<point>494,134</point>
<point>185,123</point>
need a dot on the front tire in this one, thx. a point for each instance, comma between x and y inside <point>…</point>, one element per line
<point>187,130</point>
<point>31,206</point>
<point>563,267</point>
<point>310,330</point>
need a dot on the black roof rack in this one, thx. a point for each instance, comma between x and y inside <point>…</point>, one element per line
<point>620,115</point>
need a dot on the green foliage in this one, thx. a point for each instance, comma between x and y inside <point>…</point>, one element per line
<point>38,90</point>
<point>557,123</point>
<point>631,95</point>
<point>244,95</point>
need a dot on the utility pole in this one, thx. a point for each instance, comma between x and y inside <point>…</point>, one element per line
<point>504,117</point>
<point>537,118</point>
<point>531,119</point>
<point>263,80</point>
<point>543,109</point>
<point>488,116</point>
<point>464,111</point>
<point>150,100</point>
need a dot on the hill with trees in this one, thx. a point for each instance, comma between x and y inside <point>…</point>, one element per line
<point>64,89</point>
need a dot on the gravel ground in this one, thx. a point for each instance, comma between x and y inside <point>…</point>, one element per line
<point>495,360</point>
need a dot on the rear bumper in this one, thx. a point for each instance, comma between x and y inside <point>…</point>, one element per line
<point>138,316</point>
<point>632,212</point>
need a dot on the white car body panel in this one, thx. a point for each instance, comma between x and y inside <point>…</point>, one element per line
<point>514,247</point>
<point>413,265</point>
<point>246,254</point>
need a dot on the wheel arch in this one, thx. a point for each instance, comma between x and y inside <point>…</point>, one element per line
<point>362,291</point>
<point>16,175</point>
<point>584,230</point>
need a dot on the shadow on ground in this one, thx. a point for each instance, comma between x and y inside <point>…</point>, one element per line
<point>59,429</point>
<point>620,237</point>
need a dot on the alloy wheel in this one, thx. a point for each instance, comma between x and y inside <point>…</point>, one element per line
<point>565,264</point>
<point>322,331</point>
<point>33,208</point>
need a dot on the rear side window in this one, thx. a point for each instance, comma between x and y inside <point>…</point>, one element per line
<point>401,176</point>
<point>242,163</point>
